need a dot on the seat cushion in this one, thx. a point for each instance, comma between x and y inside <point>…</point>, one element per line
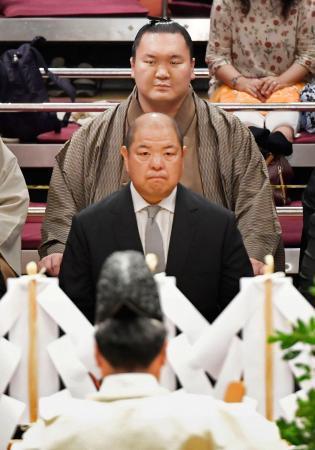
<point>53,8</point>
<point>305,138</point>
<point>189,9</point>
<point>55,138</point>
<point>31,235</point>
<point>291,230</point>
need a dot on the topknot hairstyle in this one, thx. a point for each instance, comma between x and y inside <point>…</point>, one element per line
<point>162,25</point>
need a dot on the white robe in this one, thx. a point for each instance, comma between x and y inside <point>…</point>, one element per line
<point>132,411</point>
<point>14,200</point>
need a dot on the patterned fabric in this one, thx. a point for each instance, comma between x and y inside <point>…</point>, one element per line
<point>308,118</point>
<point>232,170</point>
<point>14,200</point>
<point>225,94</point>
<point>261,43</point>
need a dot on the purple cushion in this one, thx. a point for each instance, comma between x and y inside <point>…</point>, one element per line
<point>52,8</point>
<point>291,230</point>
<point>305,138</point>
<point>190,9</point>
<point>64,135</point>
<point>31,235</point>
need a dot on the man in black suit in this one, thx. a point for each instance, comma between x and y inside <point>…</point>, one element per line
<point>198,241</point>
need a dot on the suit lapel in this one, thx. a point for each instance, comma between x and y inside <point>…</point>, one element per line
<point>125,223</point>
<point>182,231</point>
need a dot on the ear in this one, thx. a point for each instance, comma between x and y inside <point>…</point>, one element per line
<point>103,364</point>
<point>132,65</point>
<point>192,65</point>
<point>163,353</point>
<point>125,155</point>
<point>98,356</point>
<point>184,151</point>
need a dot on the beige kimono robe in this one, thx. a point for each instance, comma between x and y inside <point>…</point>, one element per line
<point>131,411</point>
<point>231,169</point>
<point>14,200</point>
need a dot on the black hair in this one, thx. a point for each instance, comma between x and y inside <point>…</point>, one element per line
<point>285,4</point>
<point>130,343</point>
<point>129,329</point>
<point>129,138</point>
<point>126,281</point>
<point>163,26</point>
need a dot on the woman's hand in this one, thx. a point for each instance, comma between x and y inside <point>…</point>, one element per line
<point>270,85</point>
<point>252,86</point>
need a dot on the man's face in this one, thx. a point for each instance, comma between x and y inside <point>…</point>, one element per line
<point>162,69</point>
<point>154,161</point>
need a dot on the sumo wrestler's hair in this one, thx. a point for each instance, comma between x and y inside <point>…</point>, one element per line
<point>156,26</point>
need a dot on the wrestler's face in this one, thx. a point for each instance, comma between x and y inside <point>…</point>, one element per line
<point>162,69</point>
<point>154,160</point>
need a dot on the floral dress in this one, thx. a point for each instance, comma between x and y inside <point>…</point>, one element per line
<point>262,43</point>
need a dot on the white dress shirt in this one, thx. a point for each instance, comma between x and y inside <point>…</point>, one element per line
<point>164,217</point>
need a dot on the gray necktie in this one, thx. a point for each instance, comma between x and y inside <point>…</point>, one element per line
<point>153,238</point>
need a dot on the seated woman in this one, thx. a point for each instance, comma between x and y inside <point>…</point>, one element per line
<point>262,51</point>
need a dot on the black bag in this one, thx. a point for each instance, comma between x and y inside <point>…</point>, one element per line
<point>22,82</point>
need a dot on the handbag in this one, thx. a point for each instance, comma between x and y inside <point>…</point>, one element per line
<point>21,82</point>
<point>280,174</point>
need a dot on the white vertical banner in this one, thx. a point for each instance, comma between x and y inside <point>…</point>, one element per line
<point>232,368</point>
<point>72,371</point>
<point>11,411</point>
<point>193,380</point>
<point>48,381</point>
<point>255,341</point>
<point>10,356</point>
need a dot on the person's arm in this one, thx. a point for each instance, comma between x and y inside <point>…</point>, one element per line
<point>252,195</point>
<point>294,74</point>
<point>14,201</point>
<point>232,78</point>
<point>235,262</point>
<point>14,198</point>
<point>218,53</point>
<point>304,62</point>
<point>60,209</point>
<point>59,212</point>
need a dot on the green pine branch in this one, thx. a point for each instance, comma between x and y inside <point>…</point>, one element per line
<point>300,431</point>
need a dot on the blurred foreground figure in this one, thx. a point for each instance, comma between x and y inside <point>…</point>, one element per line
<point>307,251</point>
<point>131,410</point>
<point>14,201</point>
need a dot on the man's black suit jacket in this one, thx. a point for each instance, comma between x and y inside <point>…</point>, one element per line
<point>206,252</point>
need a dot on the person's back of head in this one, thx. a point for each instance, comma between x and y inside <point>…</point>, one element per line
<point>130,334</point>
